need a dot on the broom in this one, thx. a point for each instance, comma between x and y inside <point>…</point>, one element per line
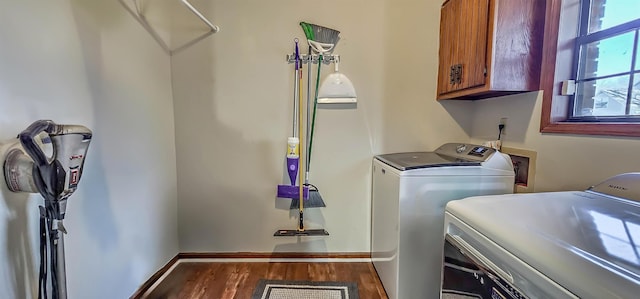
<point>320,38</point>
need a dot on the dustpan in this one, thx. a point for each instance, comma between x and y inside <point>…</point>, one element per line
<point>337,88</point>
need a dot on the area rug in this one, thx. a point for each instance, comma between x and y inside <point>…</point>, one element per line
<point>287,289</point>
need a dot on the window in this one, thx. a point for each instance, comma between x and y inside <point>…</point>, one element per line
<point>596,43</point>
<point>607,76</point>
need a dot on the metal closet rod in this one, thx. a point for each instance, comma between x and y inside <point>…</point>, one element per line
<point>139,16</point>
<point>214,28</point>
<point>326,59</point>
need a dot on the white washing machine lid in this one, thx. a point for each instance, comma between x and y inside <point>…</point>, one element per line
<point>586,241</point>
<point>416,160</point>
<point>447,155</point>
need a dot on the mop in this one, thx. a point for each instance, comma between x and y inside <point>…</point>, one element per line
<point>322,40</point>
<point>293,158</point>
<point>300,230</point>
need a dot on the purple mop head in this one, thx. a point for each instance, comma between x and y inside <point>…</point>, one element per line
<point>289,191</point>
<point>292,169</point>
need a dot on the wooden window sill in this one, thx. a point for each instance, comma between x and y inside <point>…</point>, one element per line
<point>583,128</point>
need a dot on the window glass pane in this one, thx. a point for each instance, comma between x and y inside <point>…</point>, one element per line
<point>604,97</point>
<point>635,96</point>
<point>609,13</point>
<point>608,56</point>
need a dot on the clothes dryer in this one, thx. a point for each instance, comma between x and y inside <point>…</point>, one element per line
<point>572,244</point>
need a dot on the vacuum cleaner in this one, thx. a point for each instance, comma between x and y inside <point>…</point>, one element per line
<point>48,158</point>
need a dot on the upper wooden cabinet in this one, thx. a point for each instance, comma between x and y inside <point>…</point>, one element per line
<point>490,48</point>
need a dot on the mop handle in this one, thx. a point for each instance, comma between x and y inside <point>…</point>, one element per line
<point>301,165</point>
<point>295,89</point>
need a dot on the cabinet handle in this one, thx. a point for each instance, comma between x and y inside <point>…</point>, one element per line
<point>452,75</point>
<point>455,74</point>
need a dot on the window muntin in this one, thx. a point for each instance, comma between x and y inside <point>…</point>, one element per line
<point>608,62</point>
<point>637,68</point>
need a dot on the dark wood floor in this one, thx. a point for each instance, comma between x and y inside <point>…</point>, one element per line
<point>237,280</point>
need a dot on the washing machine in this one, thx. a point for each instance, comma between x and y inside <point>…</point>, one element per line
<point>410,191</point>
<point>571,244</point>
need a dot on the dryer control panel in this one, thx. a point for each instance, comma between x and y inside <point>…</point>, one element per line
<point>465,151</point>
<point>626,185</point>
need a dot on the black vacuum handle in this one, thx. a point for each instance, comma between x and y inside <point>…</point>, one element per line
<point>27,138</point>
<point>48,177</point>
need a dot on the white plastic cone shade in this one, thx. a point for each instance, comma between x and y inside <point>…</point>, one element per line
<point>337,88</point>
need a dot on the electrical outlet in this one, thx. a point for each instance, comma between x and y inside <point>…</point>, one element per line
<point>503,122</point>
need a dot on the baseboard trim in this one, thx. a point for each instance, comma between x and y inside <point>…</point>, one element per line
<point>187,256</point>
<point>273,255</point>
<point>154,278</point>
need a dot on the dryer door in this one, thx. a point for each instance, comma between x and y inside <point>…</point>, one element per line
<point>476,267</point>
<point>467,274</point>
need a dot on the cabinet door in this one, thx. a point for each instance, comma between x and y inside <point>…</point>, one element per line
<point>448,36</point>
<point>463,44</point>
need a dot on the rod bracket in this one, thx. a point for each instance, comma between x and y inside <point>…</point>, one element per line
<point>313,58</point>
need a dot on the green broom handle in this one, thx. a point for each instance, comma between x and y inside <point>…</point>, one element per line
<point>308,118</point>
<point>315,105</point>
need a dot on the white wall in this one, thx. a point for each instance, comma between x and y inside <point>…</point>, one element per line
<point>233,105</point>
<point>412,120</point>
<point>90,63</point>
<point>565,162</point>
